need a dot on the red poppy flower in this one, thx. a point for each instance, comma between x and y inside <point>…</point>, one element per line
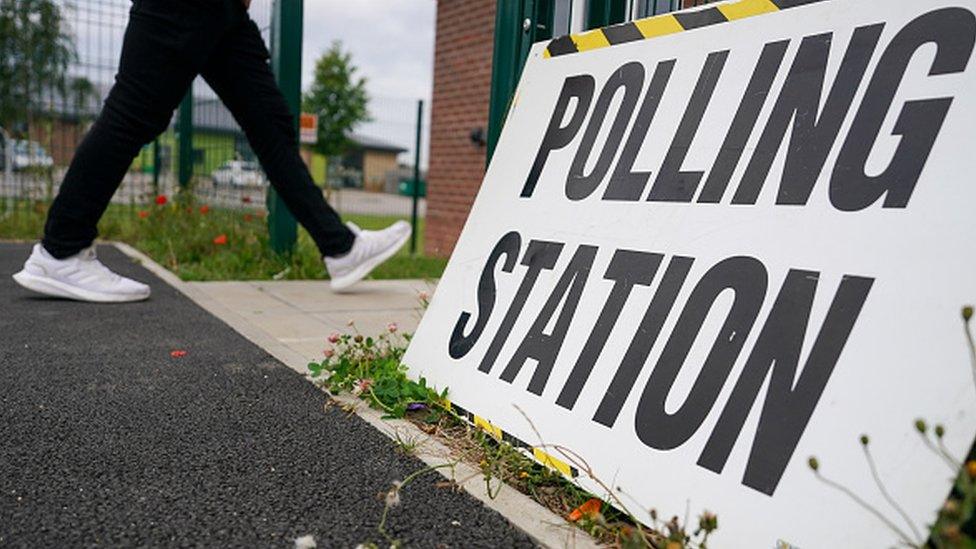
<point>161,199</point>
<point>248,218</point>
<point>220,240</point>
<point>204,209</point>
<point>178,353</point>
<point>143,214</point>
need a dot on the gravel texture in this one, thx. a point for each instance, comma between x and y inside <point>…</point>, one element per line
<point>108,440</point>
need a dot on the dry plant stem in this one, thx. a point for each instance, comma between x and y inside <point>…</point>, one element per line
<point>887,496</point>
<point>972,349</point>
<point>584,466</point>
<point>950,463</point>
<point>381,527</point>
<point>846,491</point>
<point>948,455</point>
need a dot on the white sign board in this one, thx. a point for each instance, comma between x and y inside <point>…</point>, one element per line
<point>699,258</point>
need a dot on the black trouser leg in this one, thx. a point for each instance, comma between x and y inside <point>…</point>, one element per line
<point>238,71</point>
<point>155,70</point>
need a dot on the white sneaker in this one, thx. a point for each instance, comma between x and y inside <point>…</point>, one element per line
<point>368,250</point>
<point>81,277</point>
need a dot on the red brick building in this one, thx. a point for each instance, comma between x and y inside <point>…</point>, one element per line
<point>462,87</point>
<point>461,95</point>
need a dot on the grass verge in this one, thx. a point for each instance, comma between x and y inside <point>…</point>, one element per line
<point>198,242</point>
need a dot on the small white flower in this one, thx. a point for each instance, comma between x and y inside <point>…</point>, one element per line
<point>393,496</point>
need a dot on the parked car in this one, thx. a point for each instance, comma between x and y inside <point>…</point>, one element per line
<point>239,173</point>
<point>29,154</point>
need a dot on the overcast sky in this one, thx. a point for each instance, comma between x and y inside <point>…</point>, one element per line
<point>391,41</point>
<point>392,44</point>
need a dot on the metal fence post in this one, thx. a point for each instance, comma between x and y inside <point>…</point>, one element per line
<point>157,168</point>
<point>184,129</point>
<point>518,23</point>
<point>286,62</point>
<point>8,169</point>
<point>416,177</point>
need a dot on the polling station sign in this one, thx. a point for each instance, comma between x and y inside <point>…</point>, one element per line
<point>712,244</point>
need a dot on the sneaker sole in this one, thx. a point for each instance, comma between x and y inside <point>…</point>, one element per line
<point>54,288</point>
<point>344,282</point>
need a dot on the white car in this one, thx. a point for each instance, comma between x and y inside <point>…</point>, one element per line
<point>29,154</point>
<point>239,173</point>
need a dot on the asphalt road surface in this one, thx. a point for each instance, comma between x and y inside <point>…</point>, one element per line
<point>108,440</point>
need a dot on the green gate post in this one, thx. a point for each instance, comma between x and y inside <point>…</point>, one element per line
<point>184,129</point>
<point>416,177</point>
<point>603,13</point>
<point>518,23</point>
<point>286,62</point>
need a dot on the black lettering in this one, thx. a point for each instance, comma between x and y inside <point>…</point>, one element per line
<point>744,120</point>
<point>643,341</point>
<point>539,255</point>
<point>540,346</point>
<point>814,130</point>
<point>787,407</point>
<point>672,184</point>
<point>630,77</point>
<point>508,246</point>
<point>627,268</point>
<point>626,184</point>
<point>579,87</point>
<point>953,31</point>
<point>656,428</point>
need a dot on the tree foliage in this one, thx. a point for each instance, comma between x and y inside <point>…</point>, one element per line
<point>35,51</point>
<point>338,96</point>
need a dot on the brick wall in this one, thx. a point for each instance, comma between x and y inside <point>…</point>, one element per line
<point>462,82</point>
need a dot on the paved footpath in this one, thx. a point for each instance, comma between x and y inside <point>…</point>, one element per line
<point>108,440</point>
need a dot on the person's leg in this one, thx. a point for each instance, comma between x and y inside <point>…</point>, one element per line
<point>161,53</point>
<point>238,71</point>
<point>160,57</point>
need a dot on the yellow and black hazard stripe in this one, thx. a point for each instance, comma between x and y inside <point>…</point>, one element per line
<point>539,453</point>
<point>662,25</point>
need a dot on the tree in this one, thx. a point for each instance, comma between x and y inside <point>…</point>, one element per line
<point>338,97</point>
<point>35,51</point>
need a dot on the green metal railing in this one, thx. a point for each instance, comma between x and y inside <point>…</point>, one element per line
<point>286,61</point>
<point>203,143</point>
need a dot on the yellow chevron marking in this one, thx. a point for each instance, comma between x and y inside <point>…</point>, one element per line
<point>552,462</point>
<point>658,26</point>
<point>591,40</point>
<point>746,8</point>
<point>486,426</point>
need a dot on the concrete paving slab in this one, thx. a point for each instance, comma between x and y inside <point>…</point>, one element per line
<point>369,295</point>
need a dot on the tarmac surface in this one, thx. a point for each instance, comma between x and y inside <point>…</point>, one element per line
<point>108,440</point>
